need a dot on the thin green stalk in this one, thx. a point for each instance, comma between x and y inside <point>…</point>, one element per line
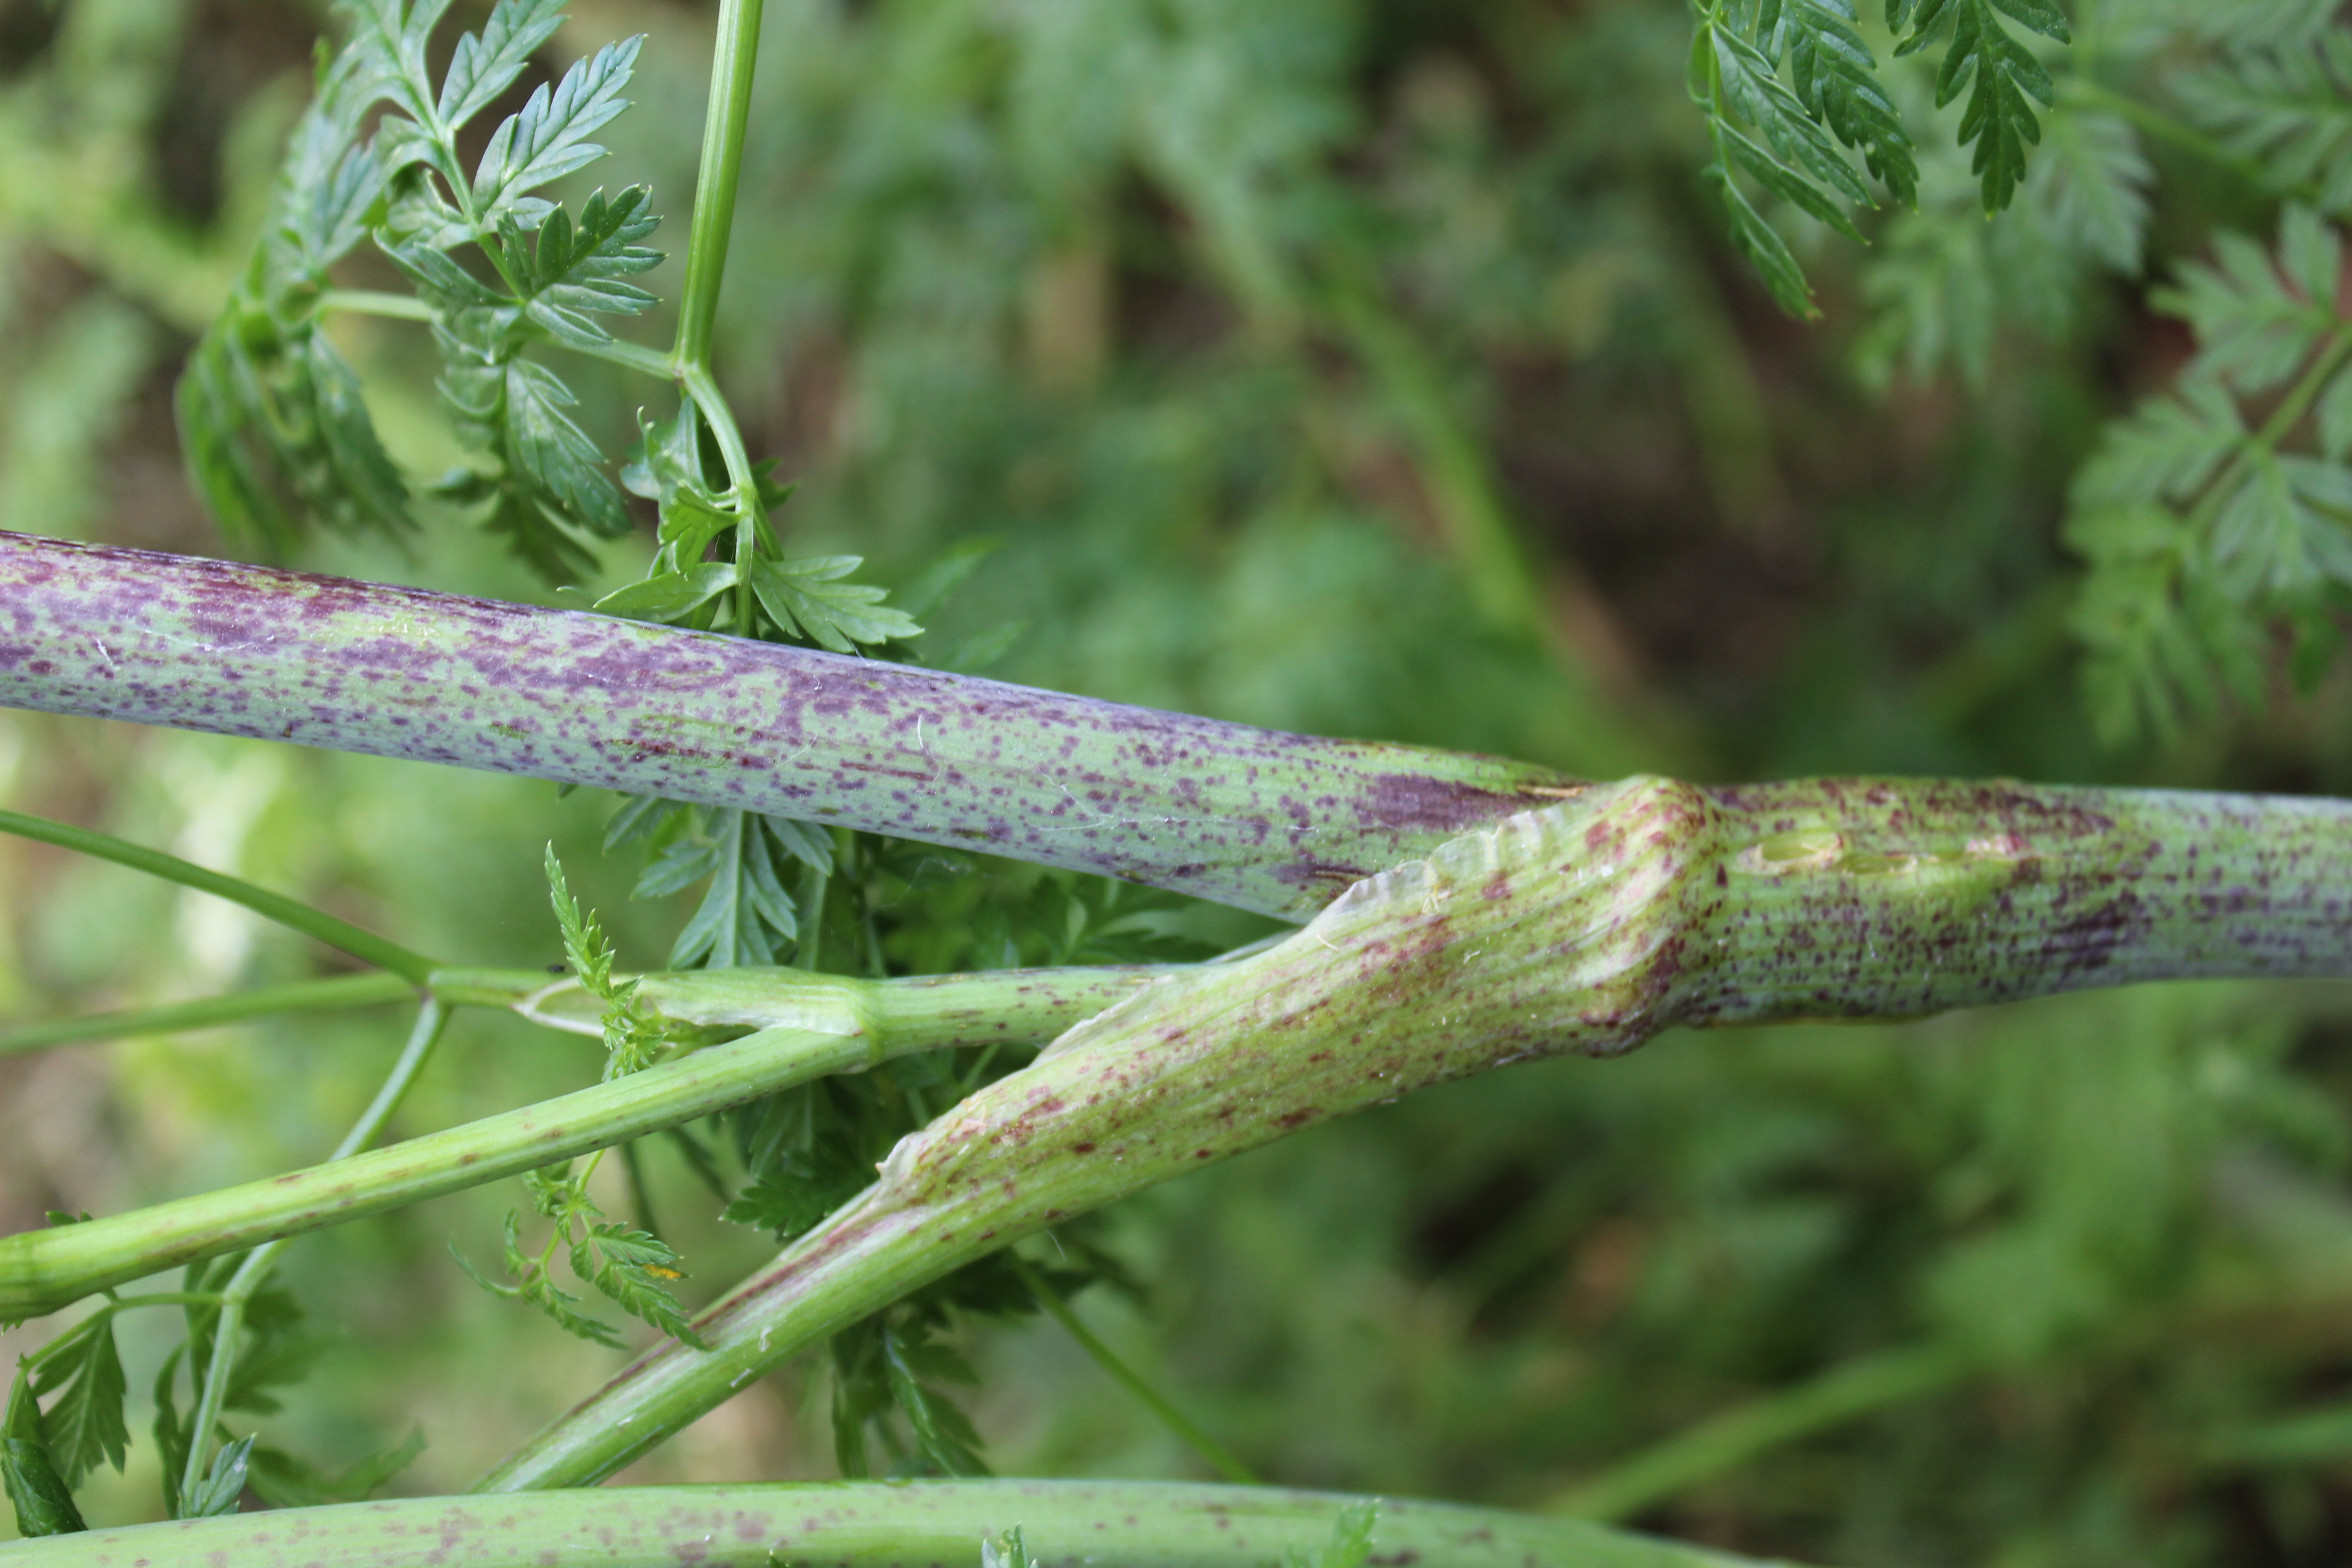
<point>432,1019</point>
<point>408,308</point>
<point>869,1524</point>
<point>1220,1459</point>
<point>806,1027</point>
<point>2281,423</point>
<point>119,1304</point>
<point>316,924</point>
<point>1725,1442</point>
<point>2166,128</point>
<point>732,62</point>
<point>378,302</point>
<point>330,994</point>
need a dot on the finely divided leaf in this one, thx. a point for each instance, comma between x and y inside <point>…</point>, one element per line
<point>632,1269</point>
<point>584,942</point>
<point>487,62</point>
<point>1006,1550</point>
<point>43,1502</point>
<point>746,917</point>
<point>2256,322</point>
<point>548,137</point>
<point>570,272</point>
<point>1764,248</point>
<point>2288,111</point>
<point>83,1426</point>
<point>553,455</point>
<point>2202,532</point>
<point>1999,117</point>
<point>808,599</point>
<point>391,37</point>
<point>944,1436</point>
<point>1836,78</point>
<point>219,1492</point>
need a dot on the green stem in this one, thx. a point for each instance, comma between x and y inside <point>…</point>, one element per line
<point>1587,927</point>
<point>66,1341</point>
<point>806,1027</point>
<point>431,1020</point>
<point>1221,1459</point>
<point>377,302</point>
<point>2283,420</point>
<point>1725,1442</point>
<point>300,996</point>
<point>873,1524</point>
<point>2164,128</point>
<point>732,62</point>
<point>408,308</point>
<point>628,355</point>
<point>316,924</point>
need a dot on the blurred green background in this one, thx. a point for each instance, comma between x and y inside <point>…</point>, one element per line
<point>1367,367</point>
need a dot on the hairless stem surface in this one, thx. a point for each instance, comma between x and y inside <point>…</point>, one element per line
<point>1586,927</point>
<point>1267,821</point>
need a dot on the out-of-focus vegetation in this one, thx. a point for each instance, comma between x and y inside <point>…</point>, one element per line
<point>1364,368</point>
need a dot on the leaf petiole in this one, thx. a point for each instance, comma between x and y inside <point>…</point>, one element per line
<point>316,924</point>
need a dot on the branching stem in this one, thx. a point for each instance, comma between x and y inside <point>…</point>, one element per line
<point>316,924</point>
<point>431,1020</point>
<point>333,994</point>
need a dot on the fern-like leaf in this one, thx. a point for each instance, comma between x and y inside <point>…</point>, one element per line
<point>2002,78</point>
<point>548,137</point>
<point>2286,110</point>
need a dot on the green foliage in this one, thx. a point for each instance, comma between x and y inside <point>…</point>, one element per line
<point>889,1369</point>
<point>284,1480</point>
<point>82,1425</point>
<point>223,1485</point>
<point>2003,79</point>
<point>1006,1550</point>
<point>2287,108</point>
<point>277,436</point>
<point>632,1041</point>
<point>2201,529</point>
<point>42,1499</point>
<point>1797,137</point>
<point>629,1268</point>
<point>1350,1545</point>
<point>1057,275</point>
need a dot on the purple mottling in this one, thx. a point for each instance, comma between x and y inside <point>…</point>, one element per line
<point>1166,798</point>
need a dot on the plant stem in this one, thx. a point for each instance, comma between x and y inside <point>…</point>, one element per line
<point>1725,1442</point>
<point>1587,927</point>
<point>813,1027</point>
<point>1267,821</point>
<point>316,924</point>
<point>2332,351</point>
<point>871,1524</point>
<point>408,308</point>
<point>336,993</point>
<point>732,62</point>
<point>377,302</point>
<point>2188,138</point>
<point>431,1020</point>
<point>1220,1459</point>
